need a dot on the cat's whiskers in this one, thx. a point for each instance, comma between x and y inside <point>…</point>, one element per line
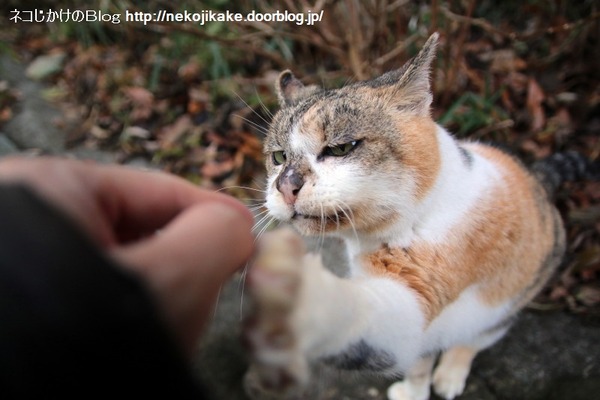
<point>259,215</point>
<point>322,230</point>
<point>216,306</point>
<point>249,202</point>
<point>253,110</point>
<point>262,105</point>
<point>262,129</point>
<point>256,126</point>
<point>248,188</point>
<point>350,216</point>
<point>350,80</point>
<point>263,225</point>
<point>262,217</point>
<point>262,229</point>
<point>264,220</point>
<point>253,204</point>
<point>257,207</point>
<point>337,218</point>
<point>242,287</point>
<point>259,184</point>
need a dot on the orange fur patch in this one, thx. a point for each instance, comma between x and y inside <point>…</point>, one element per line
<point>419,149</point>
<point>310,127</point>
<point>501,245</point>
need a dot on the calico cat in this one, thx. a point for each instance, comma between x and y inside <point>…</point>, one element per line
<point>446,240</point>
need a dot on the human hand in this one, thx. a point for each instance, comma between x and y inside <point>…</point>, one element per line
<point>202,238</point>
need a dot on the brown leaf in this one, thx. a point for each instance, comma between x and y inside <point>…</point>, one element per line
<point>517,82</point>
<point>539,151</point>
<point>218,169</point>
<point>142,101</point>
<point>586,215</point>
<point>587,258</point>
<point>535,98</point>
<point>589,295</point>
<point>558,292</point>
<point>5,114</point>
<point>199,100</point>
<point>190,71</point>
<point>169,135</point>
<point>251,146</point>
<point>561,123</point>
<point>503,61</point>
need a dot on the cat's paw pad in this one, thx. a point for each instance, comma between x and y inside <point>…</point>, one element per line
<point>449,382</point>
<point>404,391</point>
<point>256,388</point>
<point>273,285</point>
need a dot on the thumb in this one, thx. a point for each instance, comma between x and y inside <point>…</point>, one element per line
<point>186,263</point>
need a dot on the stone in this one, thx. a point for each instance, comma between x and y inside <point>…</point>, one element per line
<point>44,66</point>
<point>7,147</point>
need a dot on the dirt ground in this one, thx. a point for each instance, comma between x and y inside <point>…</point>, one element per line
<point>546,356</point>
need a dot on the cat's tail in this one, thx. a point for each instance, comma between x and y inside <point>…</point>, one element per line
<point>569,166</point>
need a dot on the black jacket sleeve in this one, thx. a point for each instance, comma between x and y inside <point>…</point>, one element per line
<point>71,322</point>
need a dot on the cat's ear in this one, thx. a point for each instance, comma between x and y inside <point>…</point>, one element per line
<point>409,87</point>
<point>290,90</point>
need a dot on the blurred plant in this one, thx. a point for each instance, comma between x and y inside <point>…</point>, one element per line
<point>476,115</point>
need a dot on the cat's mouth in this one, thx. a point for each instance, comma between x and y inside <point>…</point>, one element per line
<point>298,215</point>
<point>335,217</point>
<point>322,221</point>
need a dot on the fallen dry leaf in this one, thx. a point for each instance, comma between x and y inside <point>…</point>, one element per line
<point>503,61</point>
<point>218,170</point>
<point>169,135</point>
<point>141,100</point>
<point>535,98</point>
<point>588,295</point>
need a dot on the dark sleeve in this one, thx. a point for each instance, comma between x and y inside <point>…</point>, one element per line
<point>71,322</point>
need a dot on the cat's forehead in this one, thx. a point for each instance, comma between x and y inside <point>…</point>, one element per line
<point>320,118</point>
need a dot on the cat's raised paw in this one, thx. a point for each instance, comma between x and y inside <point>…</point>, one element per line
<point>272,286</point>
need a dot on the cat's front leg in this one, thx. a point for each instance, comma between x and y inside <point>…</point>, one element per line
<point>273,285</point>
<point>303,313</point>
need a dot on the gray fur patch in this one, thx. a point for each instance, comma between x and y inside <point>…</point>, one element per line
<point>466,155</point>
<point>361,356</point>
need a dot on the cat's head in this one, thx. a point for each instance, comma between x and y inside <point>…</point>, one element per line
<point>355,158</point>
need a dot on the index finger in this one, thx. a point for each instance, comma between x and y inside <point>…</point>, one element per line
<point>111,203</point>
<point>136,201</point>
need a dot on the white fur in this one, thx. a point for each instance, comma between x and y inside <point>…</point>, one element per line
<point>333,313</point>
<point>302,142</point>
<point>457,189</point>
<point>462,322</point>
<point>324,328</point>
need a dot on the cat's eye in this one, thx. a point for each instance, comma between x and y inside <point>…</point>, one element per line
<point>341,149</point>
<point>279,157</point>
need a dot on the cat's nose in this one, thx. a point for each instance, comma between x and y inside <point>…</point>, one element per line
<point>289,184</point>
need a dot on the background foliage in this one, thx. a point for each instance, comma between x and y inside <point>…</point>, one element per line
<point>196,99</point>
